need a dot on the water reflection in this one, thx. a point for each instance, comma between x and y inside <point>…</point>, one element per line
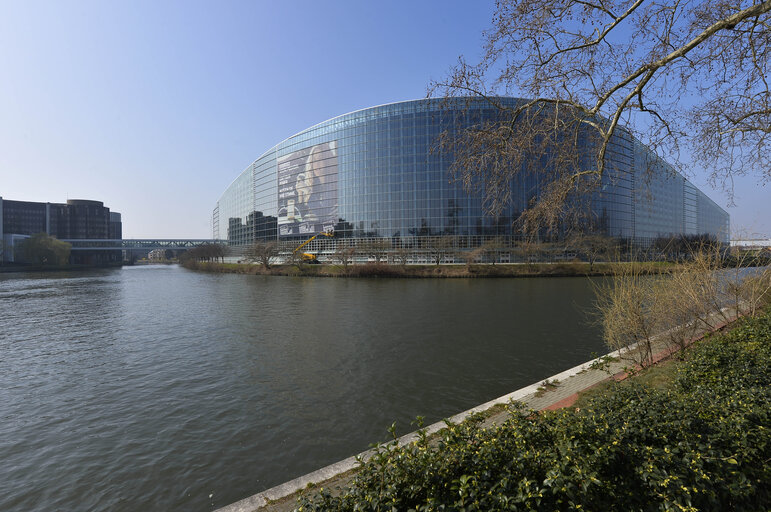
<point>153,387</point>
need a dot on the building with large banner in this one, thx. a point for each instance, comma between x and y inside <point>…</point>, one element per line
<point>376,174</point>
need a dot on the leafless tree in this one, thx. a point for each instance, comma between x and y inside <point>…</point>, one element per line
<point>440,247</point>
<point>206,252</point>
<point>593,246</point>
<point>297,259</point>
<point>671,74</point>
<point>262,252</point>
<point>628,308</point>
<point>492,247</point>
<point>220,251</point>
<point>749,289</point>
<point>402,255</point>
<point>473,256</point>
<point>700,295</point>
<point>530,250</point>
<point>375,248</point>
<point>344,254</point>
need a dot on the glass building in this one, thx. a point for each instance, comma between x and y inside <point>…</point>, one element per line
<point>376,173</point>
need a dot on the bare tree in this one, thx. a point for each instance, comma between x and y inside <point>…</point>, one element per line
<point>219,251</point>
<point>749,289</point>
<point>593,246</point>
<point>262,252</point>
<point>402,255</point>
<point>375,248</point>
<point>207,252</point>
<point>473,256</point>
<point>492,247</point>
<point>699,296</point>
<point>755,292</point>
<point>344,254</point>
<point>628,307</point>
<point>297,259</point>
<point>673,74</point>
<point>530,250</point>
<point>440,247</point>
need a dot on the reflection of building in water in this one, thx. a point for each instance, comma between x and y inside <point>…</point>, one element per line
<point>257,227</point>
<point>376,173</point>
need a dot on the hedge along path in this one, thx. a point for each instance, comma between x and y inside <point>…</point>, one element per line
<point>556,392</point>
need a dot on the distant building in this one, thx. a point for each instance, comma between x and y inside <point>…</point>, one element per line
<point>752,244</point>
<point>160,254</point>
<point>77,219</point>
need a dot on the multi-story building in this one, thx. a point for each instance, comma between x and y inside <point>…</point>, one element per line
<point>376,173</point>
<point>77,219</point>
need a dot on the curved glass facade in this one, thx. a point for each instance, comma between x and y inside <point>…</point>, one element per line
<point>375,173</point>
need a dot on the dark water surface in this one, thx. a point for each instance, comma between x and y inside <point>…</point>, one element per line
<point>152,388</point>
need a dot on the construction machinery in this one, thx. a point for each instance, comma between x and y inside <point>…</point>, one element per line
<point>306,256</point>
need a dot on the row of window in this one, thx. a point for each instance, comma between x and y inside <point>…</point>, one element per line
<point>384,173</point>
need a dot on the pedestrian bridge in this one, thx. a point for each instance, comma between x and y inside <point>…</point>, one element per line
<point>135,244</point>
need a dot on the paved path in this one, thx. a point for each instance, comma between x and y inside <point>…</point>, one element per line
<point>556,392</point>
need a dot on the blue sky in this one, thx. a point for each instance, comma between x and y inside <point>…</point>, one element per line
<point>155,107</point>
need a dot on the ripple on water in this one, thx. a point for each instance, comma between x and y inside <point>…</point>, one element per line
<point>152,388</point>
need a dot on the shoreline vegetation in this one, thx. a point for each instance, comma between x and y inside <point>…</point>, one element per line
<point>372,269</point>
<point>689,433</point>
<point>692,433</point>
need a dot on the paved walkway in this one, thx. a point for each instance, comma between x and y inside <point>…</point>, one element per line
<point>556,392</point>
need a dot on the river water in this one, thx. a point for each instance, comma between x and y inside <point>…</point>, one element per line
<point>159,388</point>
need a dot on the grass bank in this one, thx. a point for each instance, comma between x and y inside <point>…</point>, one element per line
<point>567,269</point>
<point>692,435</point>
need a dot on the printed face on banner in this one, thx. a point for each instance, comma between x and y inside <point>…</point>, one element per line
<point>307,190</point>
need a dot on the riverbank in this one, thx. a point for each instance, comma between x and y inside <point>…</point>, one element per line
<point>692,431</point>
<point>566,269</point>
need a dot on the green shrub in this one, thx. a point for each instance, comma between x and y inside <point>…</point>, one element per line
<point>702,444</point>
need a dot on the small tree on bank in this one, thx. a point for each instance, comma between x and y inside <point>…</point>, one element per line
<point>402,255</point>
<point>492,248</point>
<point>699,295</point>
<point>375,248</point>
<point>42,249</point>
<point>593,247</point>
<point>627,307</point>
<point>206,252</point>
<point>440,248</point>
<point>262,252</point>
<point>473,256</point>
<point>344,254</point>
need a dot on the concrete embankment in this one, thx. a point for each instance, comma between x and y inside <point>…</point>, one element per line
<point>558,391</point>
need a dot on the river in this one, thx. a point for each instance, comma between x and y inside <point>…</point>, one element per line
<point>159,388</point>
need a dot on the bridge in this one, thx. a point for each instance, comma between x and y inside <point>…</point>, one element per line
<point>90,251</point>
<point>149,244</point>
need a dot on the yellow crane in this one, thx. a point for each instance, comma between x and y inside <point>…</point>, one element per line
<point>306,256</point>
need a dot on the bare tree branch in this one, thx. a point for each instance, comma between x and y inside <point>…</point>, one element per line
<point>668,73</point>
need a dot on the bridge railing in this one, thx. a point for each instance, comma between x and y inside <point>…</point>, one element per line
<point>134,243</point>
